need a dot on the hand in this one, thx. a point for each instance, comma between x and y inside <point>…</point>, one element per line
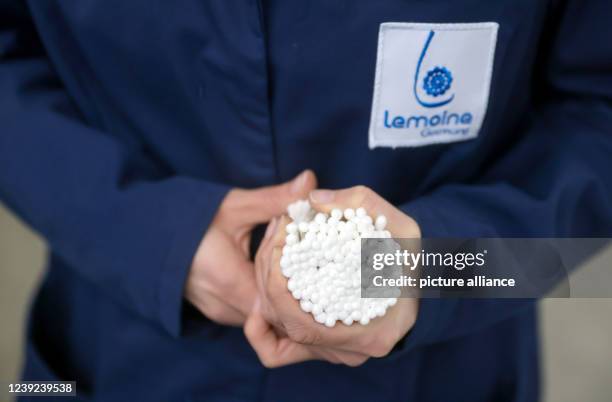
<point>221,282</point>
<point>281,333</point>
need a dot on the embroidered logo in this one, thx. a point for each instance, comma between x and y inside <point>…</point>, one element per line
<point>444,99</point>
<point>437,81</point>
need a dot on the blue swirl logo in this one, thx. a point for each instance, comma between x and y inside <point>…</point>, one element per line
<point>437,81</point>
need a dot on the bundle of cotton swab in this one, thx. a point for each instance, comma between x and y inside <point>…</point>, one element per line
<point>322,261</point>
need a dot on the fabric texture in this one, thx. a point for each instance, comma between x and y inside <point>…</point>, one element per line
<point>124,124</point>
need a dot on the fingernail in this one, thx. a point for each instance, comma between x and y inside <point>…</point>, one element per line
<point>322,196</point>
<point>298,183</point>
<point>271,228</point>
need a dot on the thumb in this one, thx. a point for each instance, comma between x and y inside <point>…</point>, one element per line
<point>353,197</point>
<point>400,224</point>
<point>267,202</point>
<point>272,350</point>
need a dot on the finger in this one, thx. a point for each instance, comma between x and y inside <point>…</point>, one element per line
<point>277,224</point>
<point>300,326</point>
<point>352,343</point>
<point>245,288</point>
<point>279,234</point>
<point>272,350</point>
<point>231,278</point>
<point>399,224</point>
<point>263,253</point>
<point>288,314</point>
<point>220,312</point>
<point>274,237</point>
<point>267,264</point>
<point>261,205</point>
<point>378,337</point>
<point>324,200</point>
<point>338,356</point>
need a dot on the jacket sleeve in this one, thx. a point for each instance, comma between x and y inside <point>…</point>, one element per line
<point>101,204</point>
<point>556,181</point>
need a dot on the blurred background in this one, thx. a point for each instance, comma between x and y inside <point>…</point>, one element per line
<point>576,334</point>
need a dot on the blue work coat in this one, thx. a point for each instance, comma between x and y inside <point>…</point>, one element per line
<point>123,124</point>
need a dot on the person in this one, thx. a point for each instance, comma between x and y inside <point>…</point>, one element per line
<point>145,142</point>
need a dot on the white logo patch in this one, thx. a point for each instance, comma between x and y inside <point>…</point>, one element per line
<point>432,83</point>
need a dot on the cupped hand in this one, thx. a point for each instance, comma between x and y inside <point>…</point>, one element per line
<point>281,333</point>
<point>221,281</point>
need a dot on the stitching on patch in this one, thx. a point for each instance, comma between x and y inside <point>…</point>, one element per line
<point>373,140</point>
<point>377,87</point>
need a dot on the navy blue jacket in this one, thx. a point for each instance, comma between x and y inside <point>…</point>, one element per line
<point>124,123</point>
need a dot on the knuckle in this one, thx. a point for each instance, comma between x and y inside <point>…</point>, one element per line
<point>214,313</point>
<point>328,355</point>
<point>269,314</point>
<point>364,195</point>
<point>351,359</point>
<point>412,320</point>
<point>356,361</point>
<point>362,191</point>
<point>230,203</point>
<point>379,345</point>
<point>248,331</point>
<point>379,351</point>
<point>297,334</point>
<point>268,361</point>
<point>382,347</point>
<point>300,334</point>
